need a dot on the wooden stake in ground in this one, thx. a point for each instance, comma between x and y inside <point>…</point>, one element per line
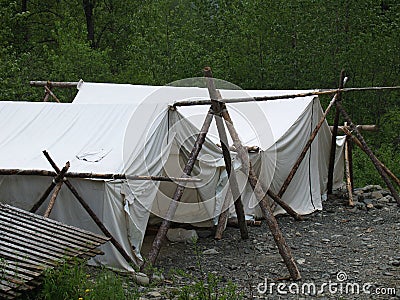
<point>162,232</point>
<point>369,152</point>
<point>347,172</point>
<point>334,135</point>
<point>283,248</point>
<point>233,184</point>
<point>56,191</point>
<point>91,213</point>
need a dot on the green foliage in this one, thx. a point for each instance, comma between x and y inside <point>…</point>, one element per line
<point>282,44</point>
<point>72,282</point>
<point>210,289</point>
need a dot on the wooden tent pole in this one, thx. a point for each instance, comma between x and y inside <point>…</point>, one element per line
<point>350,145</point>
<point>279,97</point>
<point>44,196</point>
<point>369,152</point>
<point>334,135</point>
<point>96,176</point>
<point>162,231</point>
<point>56,190</point>
<point>283,247</point>
<point>48,90</point>
<point>91,213</point>
<point>347,171</point>
<point>53,84</point>
<point>303,153</point>
<point>386,169</point>
<point>233,184</point>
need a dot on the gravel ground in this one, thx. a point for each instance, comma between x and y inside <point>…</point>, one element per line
<point>337,250</point>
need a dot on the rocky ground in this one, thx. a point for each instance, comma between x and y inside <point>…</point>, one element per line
<point>338,250</point>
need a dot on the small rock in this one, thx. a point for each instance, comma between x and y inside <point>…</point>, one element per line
<point>368,201</point>
<point>182,235</point>
<point>157,278</point>
<point>388,274</point>
<point>396,263</point>
<point>370,206</point>
<point>141,278</point>
<point>384,200</point>
<point>376,195</point>
<point>378,220</point>
<point>154,294</point>
<point>301,261</point>
<point>325,240</point>
<point>210,251</point>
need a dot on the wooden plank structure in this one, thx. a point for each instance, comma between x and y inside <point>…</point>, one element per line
<point>30,244</point>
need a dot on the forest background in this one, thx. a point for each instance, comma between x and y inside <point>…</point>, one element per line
<point>280,44</point>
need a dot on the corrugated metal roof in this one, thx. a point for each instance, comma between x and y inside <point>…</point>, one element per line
<point>30,243</point>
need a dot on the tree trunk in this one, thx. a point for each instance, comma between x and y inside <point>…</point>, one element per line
<point>88,6</point>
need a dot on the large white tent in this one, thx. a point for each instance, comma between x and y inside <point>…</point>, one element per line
<point>114,128</point>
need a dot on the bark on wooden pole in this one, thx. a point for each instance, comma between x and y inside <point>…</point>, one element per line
<point>44,196</point>
<point>48,90</point>
<point>162,232</point>
<point>233,184</point>
<point>224,215</point>
<point>386,169</point>
<point>283,247</point>
<point>373,128</point>
<point>91,213</point>
<point>350,145</point>
<point>369,152</point>
<point>303,153</point>
<point>53,84</point>
<point>96,175</point>
<point>347,172</point>
<point>56,191</point>
<point>288,96</point>
<point>334,134</point>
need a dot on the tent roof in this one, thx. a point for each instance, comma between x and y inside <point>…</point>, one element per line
<point>92,132</point>
<point>258,123</point>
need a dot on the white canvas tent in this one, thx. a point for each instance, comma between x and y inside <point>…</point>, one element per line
<point>131,129</point>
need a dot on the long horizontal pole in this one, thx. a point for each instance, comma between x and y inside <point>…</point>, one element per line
<point>280,97</point>
<point>53,84</point>
<point>96,176</point>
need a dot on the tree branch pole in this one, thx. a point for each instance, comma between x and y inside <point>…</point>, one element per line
<point>283,248</point>
<point>53,84</point>
<point>56,190</point>
<point>162,232</point>
<point>369,152</point>
<point>303,153</point>
<point>233,184</point>
<point>347,171</point>
<point>282,97</point>
<point>96,176</point>
<point>91,213</point>
<point>386,169</point>
<point>44,196</point>
<point>334,135</point>
<point>51,94</point>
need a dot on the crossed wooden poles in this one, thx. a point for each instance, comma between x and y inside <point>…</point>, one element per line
<point>219,110</point>
<point>60,177</point>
